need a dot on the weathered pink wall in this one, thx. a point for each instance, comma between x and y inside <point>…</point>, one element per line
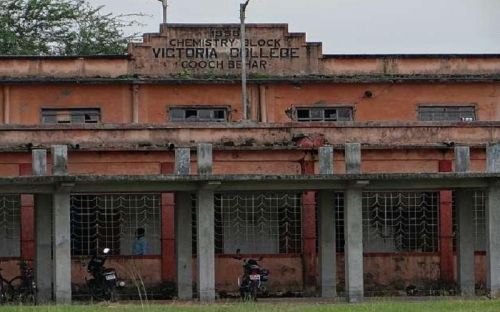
<point>395,271</point>
<point>242,162</point>
<point>390,101</point>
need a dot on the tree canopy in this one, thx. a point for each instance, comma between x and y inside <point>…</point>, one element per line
<point>60,27</point>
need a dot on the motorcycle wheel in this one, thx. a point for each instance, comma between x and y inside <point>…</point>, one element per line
<point>9,293</point>
<point>95,291</point>
<point>254,287</point>
<point>112,294</point>
<point>246,295</point>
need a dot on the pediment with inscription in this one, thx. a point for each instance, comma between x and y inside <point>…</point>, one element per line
<point>215,50</point>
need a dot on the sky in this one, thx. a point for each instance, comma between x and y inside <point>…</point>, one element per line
<point>345,26</point>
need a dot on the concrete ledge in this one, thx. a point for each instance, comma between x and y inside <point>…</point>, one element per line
<point>250,135</point>
<point>174,79</point>
<point>164,183</point>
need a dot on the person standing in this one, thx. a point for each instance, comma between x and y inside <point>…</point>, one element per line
<point>140,247</point>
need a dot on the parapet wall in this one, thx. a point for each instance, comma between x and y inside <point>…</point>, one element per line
<point>213,52</point>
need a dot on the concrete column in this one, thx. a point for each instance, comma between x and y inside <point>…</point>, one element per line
<point>205,228</point>
<point>182,161</point>
<point>492,222</point>
<point>43,232</point>
<point>39,162</point>
<point>184,245</point>
<point>206,244</point>
<point>326,160</point>
<point>327,250</point>
<point>204,157</point>
<point>62,246</point>
<point>465,242</point>
<point>61,234</point>
<point>493,240</point>
<point>493,158</point>
<point>465,219</point>
<point>59,159</point>
<point>43,247</point>
<point>183,233</point>
<point>353,215</point>
<point>353,158</point>
<point>462,159</point>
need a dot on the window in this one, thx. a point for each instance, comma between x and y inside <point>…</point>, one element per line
<point>268,223</point>
<point>338,198</point>
<point>70,116</point>
<point>400,221</point>
<point>207,114</point>
<point>480,198</point>
<point>447,113</point>
<point>323,114</point>
<point>10,225</point>
<point>111,220</point>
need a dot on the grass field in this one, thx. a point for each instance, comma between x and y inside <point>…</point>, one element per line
<point>382,306</point>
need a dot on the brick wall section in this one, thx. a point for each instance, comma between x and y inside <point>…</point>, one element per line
<point>27,219</point>
<point>168,262</point>
<point>446,229</point>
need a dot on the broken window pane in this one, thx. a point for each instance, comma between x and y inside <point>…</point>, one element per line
<point>70,116</point>
<point>324,114</point>
<point>330,114</point>
<point>206,114</point>
<point>303,114</point>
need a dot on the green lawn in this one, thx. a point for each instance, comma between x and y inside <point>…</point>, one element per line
<point>385,306</point>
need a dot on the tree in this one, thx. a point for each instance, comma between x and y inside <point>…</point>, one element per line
<point>60,27</point>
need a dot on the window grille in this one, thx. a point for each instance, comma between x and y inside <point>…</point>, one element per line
<point>479,210</point>
<point>10,225</point>
<point>199,114</point>
<point>400,221</point>
<point>256,223</point>
<point>111,220</point>
<point>447,113</point>
<point>480,220</point>
<point>71,116</point>
<point>339,222</point>
<point>323,113</point>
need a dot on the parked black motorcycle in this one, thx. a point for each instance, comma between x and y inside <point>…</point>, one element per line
<point>22,288</point>
<point>251,283</point>
<point>104,282</point>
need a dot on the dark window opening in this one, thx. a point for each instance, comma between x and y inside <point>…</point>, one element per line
<point>324,114</point>
<point>70,116</point>
<point>206,114</point>
<point>303,114</point>
<point>191,114</point>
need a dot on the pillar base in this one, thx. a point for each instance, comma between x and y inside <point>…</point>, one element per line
<point>355,298</point>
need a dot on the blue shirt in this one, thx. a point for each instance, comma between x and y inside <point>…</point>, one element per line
<point>140,246</point>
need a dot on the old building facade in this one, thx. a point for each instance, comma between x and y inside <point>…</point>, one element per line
<point>133,126</point>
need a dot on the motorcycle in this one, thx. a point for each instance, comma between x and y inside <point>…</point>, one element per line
<point>253,279</point>
<point>21,288</point>
<point>104,282</point>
